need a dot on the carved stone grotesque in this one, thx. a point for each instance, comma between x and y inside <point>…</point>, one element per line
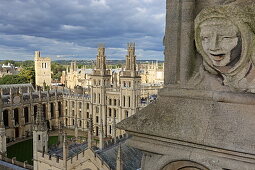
<point>225,37</point>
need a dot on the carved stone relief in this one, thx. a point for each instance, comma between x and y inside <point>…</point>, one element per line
<point>224,37</point>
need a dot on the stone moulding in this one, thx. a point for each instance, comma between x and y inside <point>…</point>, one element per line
<point>217,96</point>
<point>205,123</point>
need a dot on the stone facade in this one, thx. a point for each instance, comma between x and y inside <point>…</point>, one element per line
<point>74,77</point>
<point>152,73</point>
<point>42,70</point>
<point>203,118</point>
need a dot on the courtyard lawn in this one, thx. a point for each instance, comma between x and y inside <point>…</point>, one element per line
<point>23,151</point>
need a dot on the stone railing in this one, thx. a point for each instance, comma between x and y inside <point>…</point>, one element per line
<point>17,163</point>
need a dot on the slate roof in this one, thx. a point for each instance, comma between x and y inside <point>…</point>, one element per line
<point>74,149</point>
<point>131,157</point>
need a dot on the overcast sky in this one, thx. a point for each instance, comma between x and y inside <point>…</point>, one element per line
<point>72,29</point>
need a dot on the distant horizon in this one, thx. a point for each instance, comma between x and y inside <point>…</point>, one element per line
<point>87,60</point>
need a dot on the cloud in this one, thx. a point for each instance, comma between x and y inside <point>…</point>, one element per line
<point>75,28</point>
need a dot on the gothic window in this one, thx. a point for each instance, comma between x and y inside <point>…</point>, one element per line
<point>42,65</point>
<point>97,131</point>
<point>99,98</point>
<point>95,97</point>
<point>35,112</point>
<point>97,109</point>
<point>80,123</point>
<point>115,113</point>
<point>124,101</point>
<point>26,114</point>
<point>52,110</point>
<point>73,122</point>
<point>110,101</point>
<point>73,113</point>
<point>66,121</point>
<point>44,111</point>
<point>6,118</point>
<point>45,65</point>
<point>110,129</point>
<point>126,113</point>
<point>87,105</point>
<point>115,102</point>
<point>39,137</point>
<point>129,101</point>
<point>97,119</point>
<point>87,114</point>
<point>60,109</point>
<point>16,116</point>
<point>110,112</point>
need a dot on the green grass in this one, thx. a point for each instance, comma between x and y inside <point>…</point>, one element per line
<point>23,151</point>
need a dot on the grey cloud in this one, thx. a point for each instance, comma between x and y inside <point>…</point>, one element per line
<point>80,25</point>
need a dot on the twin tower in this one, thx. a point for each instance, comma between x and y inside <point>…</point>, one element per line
<point>43,64</point>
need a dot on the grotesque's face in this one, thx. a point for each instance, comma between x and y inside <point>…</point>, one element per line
<point>219,37</point>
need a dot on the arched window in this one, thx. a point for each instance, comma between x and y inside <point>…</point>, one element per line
<point>26,114</point>
<point>110,129</point>
<point>97,131</point>
<point>35,112</point>
<point>16,116</point>
<point>59,109</point>
<point>66,122</point>
<point>52,110</point>
<point>6,118</point>
<point>110,112</point>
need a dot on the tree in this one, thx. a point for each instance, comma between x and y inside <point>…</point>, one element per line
<point>57,70</point>
<point>26,75</point>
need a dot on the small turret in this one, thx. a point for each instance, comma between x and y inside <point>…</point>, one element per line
<point>90,131</point>
<point>114,129</point>
<point>101,136</point>
<point>40,136</point>
<point>100,63</point>
<point>119,163</point>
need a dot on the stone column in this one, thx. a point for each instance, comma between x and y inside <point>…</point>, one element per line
<point>187,39</point>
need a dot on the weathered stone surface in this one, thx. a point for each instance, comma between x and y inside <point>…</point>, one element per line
<point>199,119</point>
<point>203,120</point>
<point>196,125</point>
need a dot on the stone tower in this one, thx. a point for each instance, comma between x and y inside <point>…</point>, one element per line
<point>129,84</point>
<point>2,130</point>
<point>131,58</point>
<point>101,80</point>
<point>40,136</point>
<point>100,63</point>
<point>42,70</point>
